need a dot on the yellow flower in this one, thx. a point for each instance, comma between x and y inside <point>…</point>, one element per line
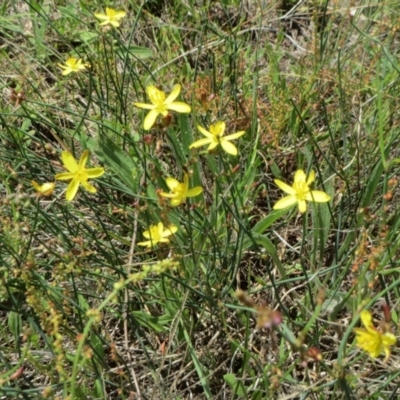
<point>216,137</point>
<point>300,192</point>
<point>161,104</point>
<point>371,339</point>
<point>179,191</point>
<point>157,234</point>
<point>46,189</point>
<point>78,173</point>
<point>72,65</point>
<point>111,17</point>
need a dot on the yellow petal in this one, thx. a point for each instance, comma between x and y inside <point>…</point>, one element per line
<point>92,173</point>
<point>360,333</point>
<point>72,189</point>
<point>169,231</point>
<point>177,201</point>
<point>302,206</point>
<point>101,16</point>
<point>156,96</point>
<point>194,191</point>
<point>35,185</point>
<point>160,227</point>
<point>212,146</point>
<point>388,339</point>
<point>180,107</point>
<point>229,147</point>
<point>199,143</point>
<point>235,135</point>
<point>64,176</point>
<point>145,106</point>
<point>311,178</point>
<point>150,119</point>
<point>173,95</point>
<point>168,195</point>
<point>283,186</point>
<point>69,162</point>
<point>218,129</point>
<point>172,184</point>
<point>366,319</point>
<point>205,133</point>
<point>119,14</point>
<point>285,202</point>
<point>318,196</point>
<point>83,159</point>
<point>148,243</point>
<point>299,176</point>
<point>185,184</point>
<point>88,187</point>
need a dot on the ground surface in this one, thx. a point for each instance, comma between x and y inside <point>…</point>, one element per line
<point>244,301</point>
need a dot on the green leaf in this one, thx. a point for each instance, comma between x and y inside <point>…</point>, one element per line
<point>88,37</point>
<point>97,346</point>
<point>237,386</point>
<point>372,184</point>
<point>152,192</point>
<point>113,157</point>
<point>200,368</point>
<point>177,147</point>
<point>98,389</point>
<point>155,323</point>
<point>14,324</point>
<point>266,243</point>
<point>267,221</point>
<point>134,52</point>
<point>83,304</point>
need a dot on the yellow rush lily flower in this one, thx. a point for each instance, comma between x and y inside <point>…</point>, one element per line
<point>180,190</point>
<point>371,339</point>
<point>161,104</point>
<point>157,234</point>
<point>300,192</point>
<point>216,137</point>
<point>72,65</point>
<point>78,174</point>
<point>46,189</point>
<point>111,17</point>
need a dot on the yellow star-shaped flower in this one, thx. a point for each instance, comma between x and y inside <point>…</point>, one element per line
<point>72,65</point>
<point>180,190</point>
<point>371,339</point>
<point>111,17</point>
<point>161,104</point>
<point>216,137</point>
<point>300,192</point>
<point>157,234</point>
<point>78,174</point>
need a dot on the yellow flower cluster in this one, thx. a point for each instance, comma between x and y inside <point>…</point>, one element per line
<point>213,137</point>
